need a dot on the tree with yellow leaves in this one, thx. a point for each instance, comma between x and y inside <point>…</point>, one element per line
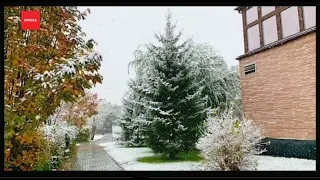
<point>42,68</point>
<point>82,110</point>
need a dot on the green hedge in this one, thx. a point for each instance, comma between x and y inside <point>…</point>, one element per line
<point>291,148</point>
<point>56,160</point>
<point>84,135</point>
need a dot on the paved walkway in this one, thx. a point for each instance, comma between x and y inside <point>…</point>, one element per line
<point>91,157</point>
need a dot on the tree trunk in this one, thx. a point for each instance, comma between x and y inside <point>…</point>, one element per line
<point>234,168</point>
<point>171,156</point>
<point>15,150</point>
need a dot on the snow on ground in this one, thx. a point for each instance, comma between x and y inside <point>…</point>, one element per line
<point>97,137</point>
<point>126,157</point>
<point>266,163</point>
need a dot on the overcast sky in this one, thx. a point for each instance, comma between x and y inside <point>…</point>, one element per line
<point>120,30</point>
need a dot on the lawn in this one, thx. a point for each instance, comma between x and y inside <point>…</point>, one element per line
<point>187,156</point>
<point>130,159</point>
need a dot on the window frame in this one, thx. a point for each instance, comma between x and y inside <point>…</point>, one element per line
<point>304,22</point>
<point>257,14</point>
<point>276,30</point>
<point>259,40</point>
<point>296,21</point>
<point>268,12</point>
<point>277,14</point>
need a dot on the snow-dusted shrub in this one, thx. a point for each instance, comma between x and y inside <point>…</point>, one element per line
<point>229,144</point>
<point>56,135</point>
<point>84,134</point>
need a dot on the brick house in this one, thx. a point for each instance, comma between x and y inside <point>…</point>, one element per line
<point>278,69</point>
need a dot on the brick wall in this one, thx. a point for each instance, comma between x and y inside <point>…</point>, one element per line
<point>281,94</point>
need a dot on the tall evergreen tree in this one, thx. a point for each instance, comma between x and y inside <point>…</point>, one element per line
<point>172,96</point>
<point>126,117</point>
<point>161,74</point>
<point>133,121</point>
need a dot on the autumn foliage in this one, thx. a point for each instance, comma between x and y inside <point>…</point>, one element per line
<point>81,110</point>
<point>42,69</point>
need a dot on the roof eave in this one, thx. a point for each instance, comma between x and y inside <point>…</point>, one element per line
<point>277,43</point>
<point>239,8</point>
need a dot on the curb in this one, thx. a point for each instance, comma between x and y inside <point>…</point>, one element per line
<point>117,163</point>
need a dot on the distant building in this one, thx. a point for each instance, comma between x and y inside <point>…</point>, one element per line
<point>278,69</point>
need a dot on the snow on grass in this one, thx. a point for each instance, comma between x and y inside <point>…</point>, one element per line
<point>127,158</point>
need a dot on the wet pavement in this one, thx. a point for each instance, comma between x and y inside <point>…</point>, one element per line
<point>91,157</point>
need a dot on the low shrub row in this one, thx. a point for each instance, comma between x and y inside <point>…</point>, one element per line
<point>83,135</point>
<point>61,139</point>
<point>290,148</point>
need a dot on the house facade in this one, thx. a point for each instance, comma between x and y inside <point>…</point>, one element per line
<point>278,69</point>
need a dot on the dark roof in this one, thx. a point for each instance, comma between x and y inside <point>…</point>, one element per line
<point>277,43</point>
<point>239,8</point>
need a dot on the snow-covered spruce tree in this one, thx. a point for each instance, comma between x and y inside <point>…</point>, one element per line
<point>133,121</point>
<point>171,96</point>
<point>135,114</point>
<point>139,121</point>
<point>221,85</point>
<point>229,144</point>
<point>126,117</point>
<point>138,126</point>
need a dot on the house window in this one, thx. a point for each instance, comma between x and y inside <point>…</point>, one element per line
<point>270,33</point>
<point>253,37</point>
<point>252,14</point>
<point>266,10</point>
<point>309,16</point>
<point>290,21</point>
